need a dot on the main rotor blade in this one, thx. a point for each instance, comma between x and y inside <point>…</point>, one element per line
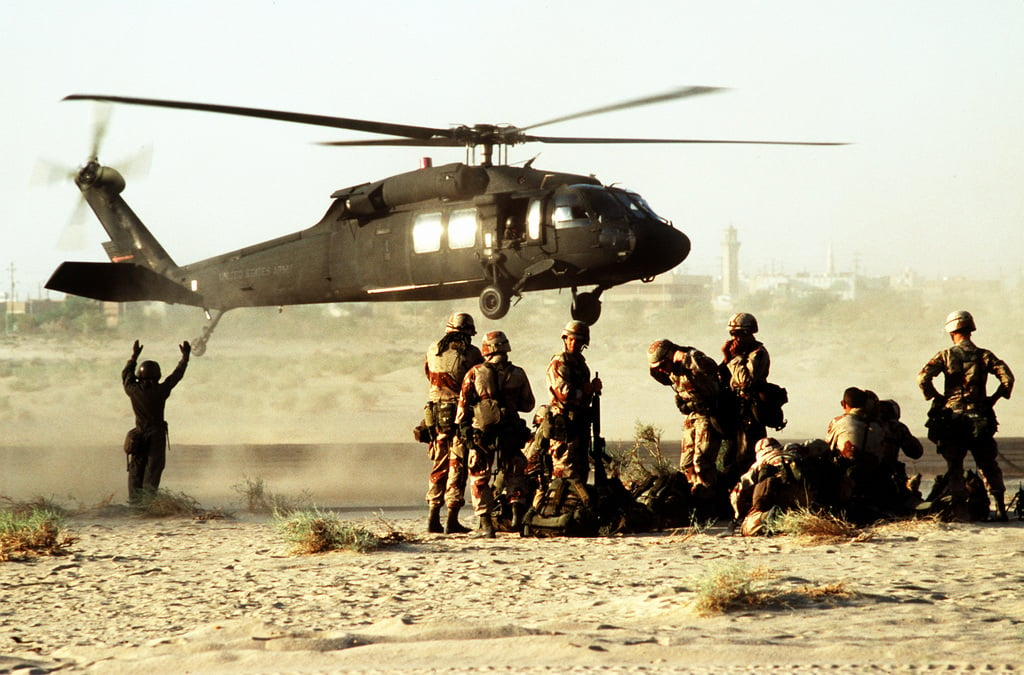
<point>682,92</point>
<point>569,139</point>
<point>370,126</point>
<point>407,142</point>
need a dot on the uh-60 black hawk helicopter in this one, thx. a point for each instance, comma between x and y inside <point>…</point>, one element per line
<point>440,232</point>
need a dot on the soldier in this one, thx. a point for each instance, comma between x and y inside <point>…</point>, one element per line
<point>448,360</point>
<point>772,483</point>
<point>745,368</point>
<point>855,436</point>
<point>572,391</point>
<point>694,377</point>
<point>146,443</point>
<point>963,416</point>
<point>493,394</point>
<point>896,489</point>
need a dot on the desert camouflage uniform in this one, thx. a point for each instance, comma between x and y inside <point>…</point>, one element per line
<point>448,360</point>
<point>493,393</point>
<point>970,422</point>
<point>148,445</point>
<point>771,482</point>
<point>568,378</point>
<point>694,378</point>
<point>744,370</point>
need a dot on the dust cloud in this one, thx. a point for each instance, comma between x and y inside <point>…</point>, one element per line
<point>336,378</point>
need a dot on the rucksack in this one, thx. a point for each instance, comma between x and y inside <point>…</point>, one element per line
<point>565,509</point>
<point>768,401</point>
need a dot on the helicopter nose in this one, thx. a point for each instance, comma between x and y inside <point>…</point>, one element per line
<point>660,247</point>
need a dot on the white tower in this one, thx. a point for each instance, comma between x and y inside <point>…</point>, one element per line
<point>730,263</point>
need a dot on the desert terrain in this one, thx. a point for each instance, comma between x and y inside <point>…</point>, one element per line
<point>321,401</point>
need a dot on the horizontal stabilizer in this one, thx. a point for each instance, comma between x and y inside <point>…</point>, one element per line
<point>119,282</point>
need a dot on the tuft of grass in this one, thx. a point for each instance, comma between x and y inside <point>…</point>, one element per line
<point>734,586</point>
<point>644,459</point>
<point>36,531</point>
<point>166,504</point>
<point>809,525</point>
<point>316,531</point>
<point>259,500</point>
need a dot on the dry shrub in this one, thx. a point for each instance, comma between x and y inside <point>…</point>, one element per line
<point>644,459</point>
<point>811,526</point>
<point>316,531</point>
<point>37,531</point>
<point>166,504</point>
<point>733,586</point>
<point>259,500</point>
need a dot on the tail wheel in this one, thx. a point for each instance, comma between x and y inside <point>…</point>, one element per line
<point>494,302</point>
<point>586,307</point>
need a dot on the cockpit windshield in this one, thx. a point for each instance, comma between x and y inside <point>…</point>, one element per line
<point>636,204</point>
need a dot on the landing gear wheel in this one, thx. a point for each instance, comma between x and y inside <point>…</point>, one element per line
<point>494,302</point>
<point>586,307</point>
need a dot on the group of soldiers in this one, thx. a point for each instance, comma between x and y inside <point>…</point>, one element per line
<point>473,427</point>
<point>474,430</point>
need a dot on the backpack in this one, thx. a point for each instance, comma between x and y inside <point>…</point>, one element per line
<point>768,401</point>
<point>565,509</point>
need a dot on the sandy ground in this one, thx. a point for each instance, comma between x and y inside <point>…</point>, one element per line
<point>225,596</point>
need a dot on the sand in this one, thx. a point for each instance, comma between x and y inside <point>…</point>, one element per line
<point>225,596</point>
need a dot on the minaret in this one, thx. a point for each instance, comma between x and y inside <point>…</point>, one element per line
<point>830,263</point>
<point>730,263</point>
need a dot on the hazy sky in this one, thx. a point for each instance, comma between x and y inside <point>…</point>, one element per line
<point>930,93</point>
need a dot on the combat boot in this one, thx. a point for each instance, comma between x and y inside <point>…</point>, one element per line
<point>1000,508</point>
<point>434,520</point>
<point>452,525</point>
<point>486,528</point>
<point>518,511</point>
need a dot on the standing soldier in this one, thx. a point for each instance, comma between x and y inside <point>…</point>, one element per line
<point>694,377</point>
<point>448,360</point>
<point>745,369</point>
<point>493,394</point>
<point>146,444</point>
<point>962,417</point>
<point>572,392</point>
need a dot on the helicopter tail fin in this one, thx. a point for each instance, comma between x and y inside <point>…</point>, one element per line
<point>119,282</point>
<point>139,267</point>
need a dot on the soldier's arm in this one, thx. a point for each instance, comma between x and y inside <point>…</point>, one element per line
<point>179,370</point>
<point>758,365</point>
<point>1005,376</point>
<point>558,384</point>
<point>467,399</point>
<point>526,398</point>
<point>128,372</point>
<point>927,374</point>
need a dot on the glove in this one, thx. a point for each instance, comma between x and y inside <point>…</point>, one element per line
<point>136,350</point>
<point>185,348</point>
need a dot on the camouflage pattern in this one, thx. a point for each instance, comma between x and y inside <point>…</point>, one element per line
<point>693,377</point>
<point>969,421</point>
<point>770,483</point>
<point>745,367</point>
<point>146,444</point>
<point>856,437</point>
<point>447,362</point>
<point>568,379</point>
<point>492,395</point>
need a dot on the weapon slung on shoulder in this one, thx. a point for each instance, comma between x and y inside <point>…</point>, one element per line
<point>597,445</point>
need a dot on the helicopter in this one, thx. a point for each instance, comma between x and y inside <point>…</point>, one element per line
<point>459,230</point>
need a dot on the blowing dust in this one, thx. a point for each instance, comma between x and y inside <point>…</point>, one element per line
<point>344,384</point>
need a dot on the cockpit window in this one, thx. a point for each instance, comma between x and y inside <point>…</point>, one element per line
<point>569,210</point>
<point>636,204</point>
<point>604,205</point>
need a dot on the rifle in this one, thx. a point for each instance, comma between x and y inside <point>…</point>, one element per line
<point>597,445</point>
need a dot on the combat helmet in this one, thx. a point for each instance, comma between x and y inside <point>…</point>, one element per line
<point>495,342</point>
<point>960,321</point>
<point>659,351</point>
<point>743,322</point>
<point>149,370</point>
<point>462,322</point>
<point>578,329</point>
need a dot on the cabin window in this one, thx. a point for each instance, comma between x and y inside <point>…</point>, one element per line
<point>462,226</point>
<point>426,233</point>
<point>569,211</point>
<point>534,219</point>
